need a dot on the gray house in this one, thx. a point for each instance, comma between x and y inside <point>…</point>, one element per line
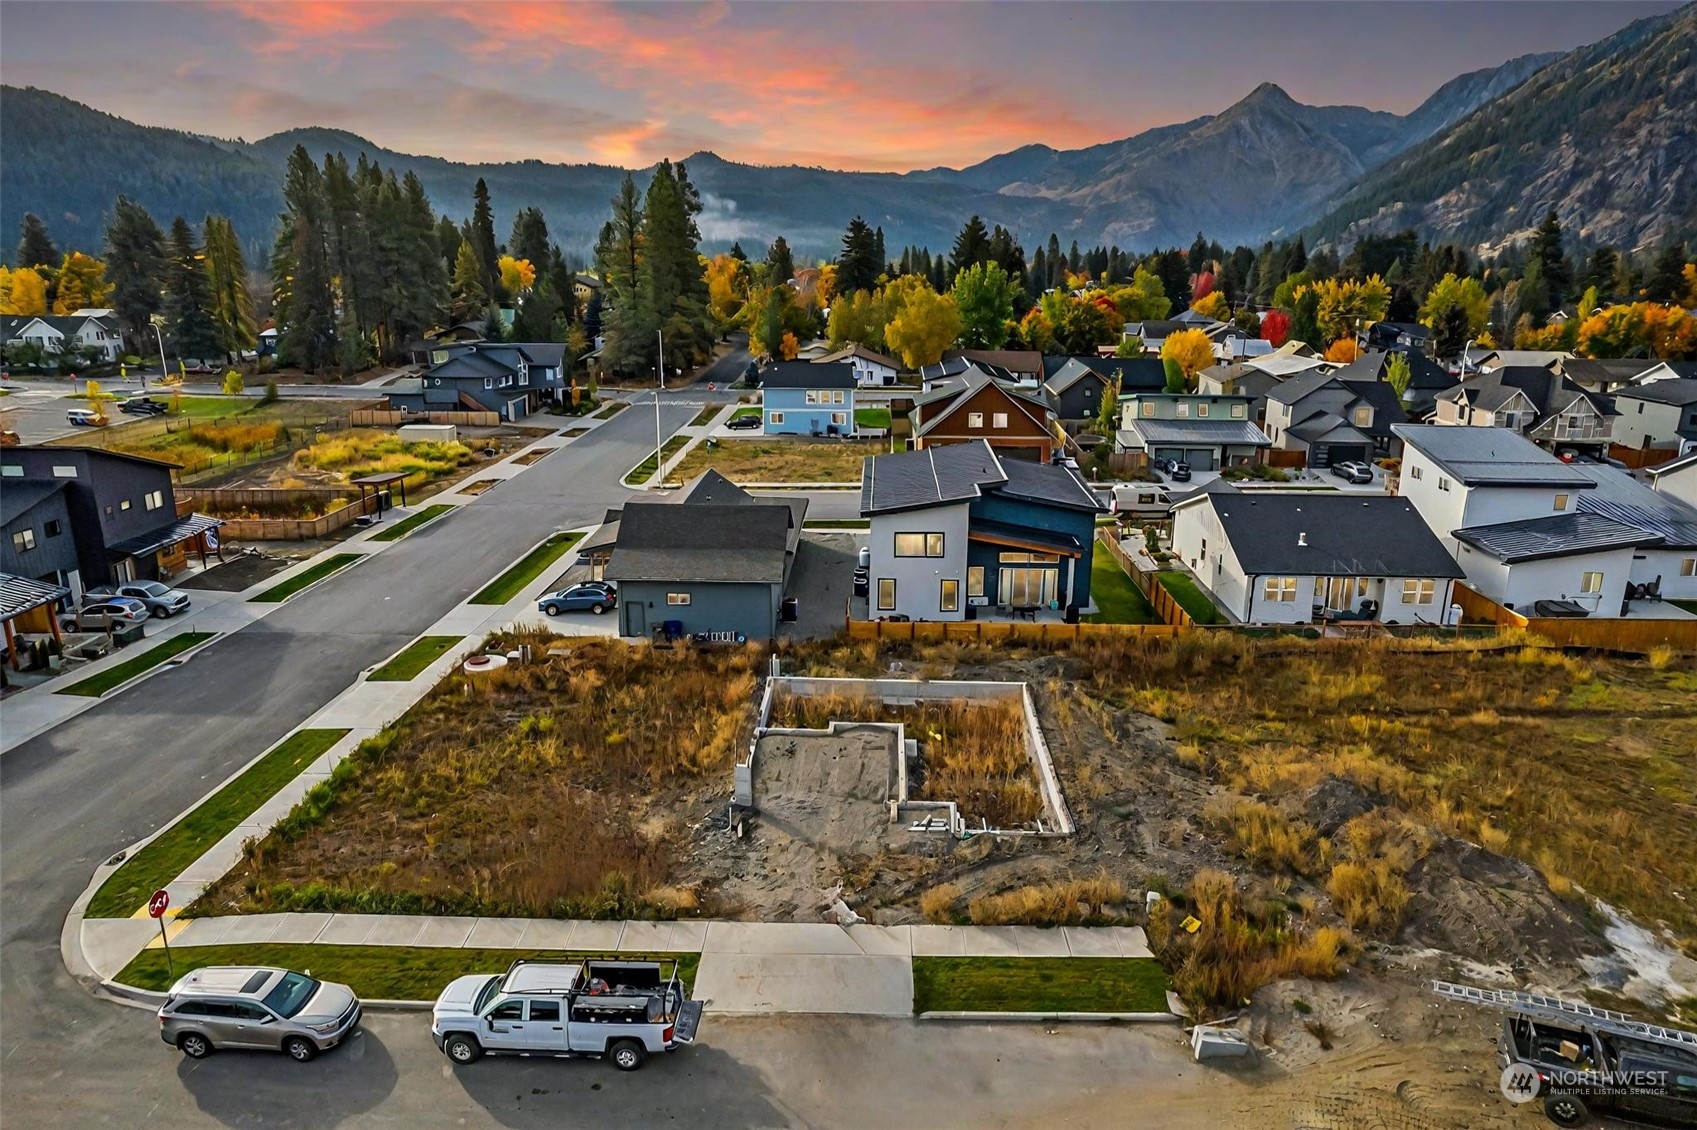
<point>1660,414</point>
<point>1331,420</point>
<point>511,378</point>
<point>38,542</point>
<point>710,558</point>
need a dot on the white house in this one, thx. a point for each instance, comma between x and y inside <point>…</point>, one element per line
<point>56,333</point>
<point>1669,569</point>
<point>1677,479</point>
<point>1294,557</point>
<point>871,369</point>
<point>1659,414</point>
<point>1538,402</point>
<point>1507,511</point>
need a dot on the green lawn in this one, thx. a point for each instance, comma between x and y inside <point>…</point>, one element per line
<point>96,685</point>
<point>1189,597</point>
<point>1689,605</point>
<point>643,470</point>
<point>612,409</point>
<point>705,416</point>
<point>512,582</point>
<point>418,655</point>
<point>836,523</point>
<point>746,410</point>
<point>412,522</point>
<point>279,593</point>
<point>871,417</point>
<point>205,407</point>
<point>1115,594</point>
<point>160,862</point>
<point>1038,984</point>
<point>415,973</point>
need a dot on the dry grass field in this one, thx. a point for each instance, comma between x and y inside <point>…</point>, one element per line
<point>793,460</point>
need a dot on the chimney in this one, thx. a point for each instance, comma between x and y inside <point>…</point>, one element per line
<point>1302,538</point>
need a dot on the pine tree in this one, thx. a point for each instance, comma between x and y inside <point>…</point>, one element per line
<point>448,237</point>
<point>1666,281</point>
<point>1074,262</point>
<point>530,237</point>
<point>469,299</point>
<point>738,253</point>
<point>783,264</point>
<point>857,266</point>
<point>188,296</point>
<point>35,248</point>
<point>135,251</point>
<point>1547,252</point>
<point>227,281</point>
<point>483,238</point>
<point>306,308</point>
<point>627,323</point>
<point>1197,261</point>
<point>1599,273</point>
<point>883,256</point>
<point>972,246</point>
<point>671,283</point>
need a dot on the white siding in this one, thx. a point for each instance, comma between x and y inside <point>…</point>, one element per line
<point>1644,423</point>
<point>1201,544</point>
<point>1648,564</point>
<point>1556,578</point>
<point>1680,484</point>
<point>919,579</point>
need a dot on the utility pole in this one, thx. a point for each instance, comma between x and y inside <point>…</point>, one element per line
<point>660,367</point>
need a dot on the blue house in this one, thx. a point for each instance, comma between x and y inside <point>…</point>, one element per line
<point>806,398</point>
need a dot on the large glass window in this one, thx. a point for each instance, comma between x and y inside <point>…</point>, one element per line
<point>919,545</point>
<point>949,599</point>
<point>1418,591</point>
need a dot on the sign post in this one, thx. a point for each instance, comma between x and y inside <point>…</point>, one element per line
<point>156,909</point>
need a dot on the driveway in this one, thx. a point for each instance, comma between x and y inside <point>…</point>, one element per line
<point>821,582</point>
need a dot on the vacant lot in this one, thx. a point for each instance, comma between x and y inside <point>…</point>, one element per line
<point>368,451</point>
<point>797,460</point>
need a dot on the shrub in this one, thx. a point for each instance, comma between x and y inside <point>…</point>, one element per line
<point>233,383</point>
<point>1067,902</point>
<point>270,396</point>
<point>938,903</point>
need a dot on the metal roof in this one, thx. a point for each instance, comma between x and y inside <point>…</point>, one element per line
<point>1557,535</point>
<point>1325,534</point>
<point>908,480</point>
<point>1489,456</point>
<point>20,594</point>
<point>701,542</point>
<point>808,374</point>
<point>1619,496</point>
<point>156,539</point>
<point>1200,432</point>
<point>1046,482</point>
<point>1678,392</point>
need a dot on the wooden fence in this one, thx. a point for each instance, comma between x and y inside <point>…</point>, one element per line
<point>386,418</point>
<point>221,502</point>
<point>1608,633</point>
<point>1277,458</point>
<point>1640,457</point>
<point>1479,609</point>
<point>984,631</point>
<point>1171,613</point>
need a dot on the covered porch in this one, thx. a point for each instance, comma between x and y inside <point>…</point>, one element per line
<point>162,553</point>
<point>1018,572</point>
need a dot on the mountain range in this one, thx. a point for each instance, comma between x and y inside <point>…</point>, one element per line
<point>1596,134</point>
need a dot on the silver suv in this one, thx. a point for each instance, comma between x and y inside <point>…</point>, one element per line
<point>241,1006</point>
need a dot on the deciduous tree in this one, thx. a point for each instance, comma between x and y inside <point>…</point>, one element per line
<point>1174,374</point>
<point>1342,351</point>
<point>1398,374</point>
<point>984,295</point>
<point>80,283</point>
<point>26,292</point>
<point>1275,327</point>
<point>1465,296</point>
<point>1213,305</point>
<point>1143,299</point>
<point>469,298</point>
<point>1348,305</point>
<point>924,324</point>
<point>1190,349</point>
<point>517,275</point>
<point>1083,325</point>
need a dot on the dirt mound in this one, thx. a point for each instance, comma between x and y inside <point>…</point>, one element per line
<point>1333,803</point>
<point>1491,908</point>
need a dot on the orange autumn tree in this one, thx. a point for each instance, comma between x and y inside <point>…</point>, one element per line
<point>1342,351</point>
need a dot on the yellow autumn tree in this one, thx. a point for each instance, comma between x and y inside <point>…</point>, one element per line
<point>1347,305</point>
<point>517,275</point>
<point>26,294</point>
<point>727,286</point>
<point>790,347</point>
<point>1342,351</point>
<point>1213,305</point>
<point>923,324</point>
<point>1191,350</point>
<point>1690,273</point>
<point>82,284</point>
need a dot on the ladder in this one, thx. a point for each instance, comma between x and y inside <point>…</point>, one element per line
<point>1541,1007</point>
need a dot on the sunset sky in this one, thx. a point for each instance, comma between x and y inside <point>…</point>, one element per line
<point>843,84</point>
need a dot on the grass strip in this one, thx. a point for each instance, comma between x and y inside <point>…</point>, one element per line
<point>96,685</point>
<point>279,593</point>
<point>418,655</point>
<point>1118,599</point>
<point>641,472</point>
<point>529,567</point>
<point>836,523</point>
<point>1189,597</point>
<point>412,522</point>
<point>1038,984</point>
<point>705,416</point>
<point>374,972</point>
<point>169,855</point>
<point>612,409</point>
<point>745,411</point>
<point>871,417</point>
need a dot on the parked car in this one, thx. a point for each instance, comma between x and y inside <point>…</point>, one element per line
<point>106,614</point>
<point>84,418</point>
<point>142,405</point>
<point>1177,470</point>
<point>162,600</point>
<point>622,1010</point>
<point>229,1006</point>
<point>592,597</point>
<point>1353,472</point>
<point>743,423</point>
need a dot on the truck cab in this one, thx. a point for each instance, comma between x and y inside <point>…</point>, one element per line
<point>623,1010</point>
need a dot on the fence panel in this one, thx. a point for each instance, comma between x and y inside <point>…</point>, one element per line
<point>1640,457</point>
<point>1615,634</point>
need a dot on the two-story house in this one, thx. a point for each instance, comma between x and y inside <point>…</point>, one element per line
<point>1507,511</point>
<point>871,368</point>
<point>57,334</point>
<point>1207,432</point>
<point>1014,420</point>
<point>1539,403</point>
<point>808,398</point>
<point>1676,478</point>
<point>1660,414</point>
<point>1332,420</point>
<point>1398,335</point>
<point>960,529</point>
<point>511,378</point>
<point>1426,378</point>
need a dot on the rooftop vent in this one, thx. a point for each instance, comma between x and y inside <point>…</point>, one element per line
<point>1302,538</point>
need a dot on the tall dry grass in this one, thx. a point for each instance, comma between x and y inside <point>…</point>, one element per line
<point>363,451</point>
<point>1064,902</point>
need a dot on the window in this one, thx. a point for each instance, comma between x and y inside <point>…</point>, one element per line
<point>975,419</point>
<point>811,397</point>
<point>919,545</point>
<point>999,420</point>
<point>775,417</point>
<point>837,397</point>
<point>154,499</point>
<point>488,382</point>
<point>1363,417</point>
<point>12,471</point>
<point>886,594</point>
<point>975,580</point>
<point>1591,583</point>
<point>545,1010</point>
<point>1280,590</point>
<point>839,417</point>
<point>1201,409</point>
<point>1443,483</point>
<point>1147,410</point>
<point>507,1010</point>
<point>1561,502</point>
<point>1027,558</point>
<point>1418,591</point>
<point>1688,567</point>
<point>1182,411</point>
<point>52,528</point>
<point>1239,411</point>
<point>1414,472</point>
<point>23,539</point>
<point>677,599</point>
<point>124,505</point>
<point>949,599</point>
<point>64,472</point>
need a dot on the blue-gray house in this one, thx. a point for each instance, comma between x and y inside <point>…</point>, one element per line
<point>958,531</point>
<point>511,378</point>
<point>806,398</point>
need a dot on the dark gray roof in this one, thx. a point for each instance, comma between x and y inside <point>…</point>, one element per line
<point>1548,391</point>
<point>1678,392</point>
<point>1620,496</point>
<point>21,495</point>
<point>474,366</point>
<point>1605,370</point>
<point>701,542</point>
<point>1300,386</point>
<point>908,480</point>
<point>1201,432</point>
<point>1329,427</point>
<point>20,594</point>
<point>1317,533</point>
<point>1557,535</point>
<point>1490,456</point>
<point>711,486</point>
<point>1422,371</point>
<point>1045,482</point>
<point>1025,361</point>
<point>974,379</point>
<point>808,374</point>
<point>1071,373</point>
<point>161,537</point>
<point>550,354</point>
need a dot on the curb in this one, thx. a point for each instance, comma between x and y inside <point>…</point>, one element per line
<point>1079,1017</point>
<point>176,660</point>
<point>310,564</point>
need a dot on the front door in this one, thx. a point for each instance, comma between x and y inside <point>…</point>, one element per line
<point>636,618</point>
<point>1023,586</point>
<point>1340,593</point>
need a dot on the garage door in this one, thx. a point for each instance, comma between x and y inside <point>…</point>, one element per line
<point>1329,455</point>
<point>1201,458</point>
<point>1159,454</point>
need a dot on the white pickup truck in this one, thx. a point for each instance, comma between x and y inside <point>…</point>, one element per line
<point>623,1010</point>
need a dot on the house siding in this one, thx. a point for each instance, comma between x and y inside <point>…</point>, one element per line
<point>800,418</point>
<point>1073,583</point>
<point>1022,438</point>
<point>1520,585</point>
<point>1665,564</point>
<point>1647,423</point>
<point>52,559</point>
<point>95,500</point>
<point>919,579</point>
<point>751,609</point>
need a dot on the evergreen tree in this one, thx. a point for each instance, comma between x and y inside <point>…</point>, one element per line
<point>448,238</point>
<point>1305,319</point>
<point>35,248</point>
<point>671,283</point>
<point>1296,259</point>
<point>1198,259</point>
<point>188,296</point>
<point>1666,281</point>
<point>469,299</point>
<point>857,266</point>
<point>1172,268</point>
<point>883,255</point>
<point>626,322</point>
<point>1039,270</point>
<point>227,280</point>
<point>1599,274</point>
<point>972,246</point>
<point>1532,294</point>
<point>135,252</point>
<point>530,238</point>
<point>420,277</point>
<point>783,264</point>
<point>738,253</point>
<point>305,303</point>
<point>1057,263</point>
<point>483,238</point>
<point>1547,252</point>
<point>1074,262</point>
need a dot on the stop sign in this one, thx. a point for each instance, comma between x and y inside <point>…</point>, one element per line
<point>157,904</point>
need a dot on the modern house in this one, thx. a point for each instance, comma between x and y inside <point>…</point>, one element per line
<point>1507,511</point>
<point>957,530</point>
<point>808,398</point>
<point>1289,557</point>
<point>118,511</point>
<point>1676,478</point>
<point>1426,378</point>
<point>1331,420</point>
<point>1207,432</point>
<point>1606,375</point>
<point>1537,402</point>
<point>1660,414</point>
<point>871,368</point>
<point>1490,360</point>
<point>56,334</point>
<point>1021,364</point>
<point>1075,392</point>
<point>974,406</point>
<point>1669,568</point>
<point>710,558</point>
<point>513,379</point>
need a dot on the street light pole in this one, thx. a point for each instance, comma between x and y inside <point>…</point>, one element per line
<point>163,371</point>
<point>660,368</point>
